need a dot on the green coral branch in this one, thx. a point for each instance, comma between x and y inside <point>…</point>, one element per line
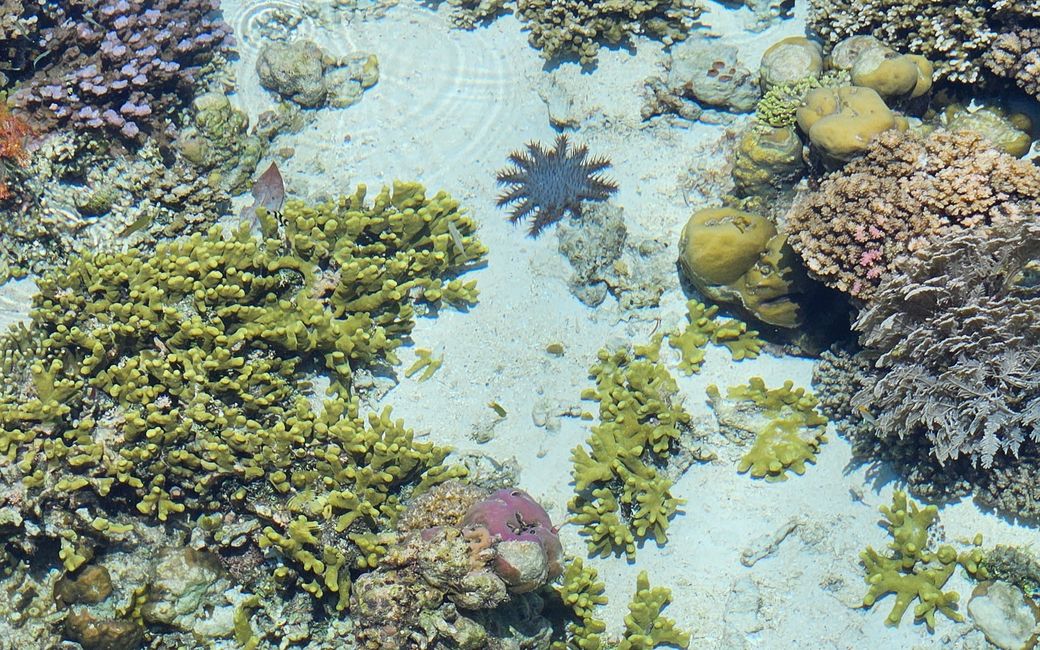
<point>787,423</point>
<point>180,378</point>
<point>703,327</point>
<point>912,571</point>
<point>620,496</point>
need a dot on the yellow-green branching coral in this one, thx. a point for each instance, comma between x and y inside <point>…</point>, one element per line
<point>913,571</point>
<point>787,424</point>
<point>181,377</point>
<point>621,497</point>
<point>645,627</point>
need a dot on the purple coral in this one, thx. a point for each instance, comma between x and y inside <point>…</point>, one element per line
<point>121,65</point>
<point>511,516</point>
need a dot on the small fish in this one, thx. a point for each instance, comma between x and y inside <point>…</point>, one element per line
<point>867,416</point>
<point>268,193</point>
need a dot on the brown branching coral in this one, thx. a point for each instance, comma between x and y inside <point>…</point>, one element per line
<point>581,26</point>
<point>903,193</point>
<point>952,34</point>
<point>959,339</point>
<point>1016,55</point>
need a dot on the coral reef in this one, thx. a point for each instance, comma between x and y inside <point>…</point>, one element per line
<point>545,184</point>
<point>621,496</point>
<point>736,256</point>
<point>179,385</point>
<point>959,344</point>
<point>1016,54</point>
<point>954,35</point>
<point>903,193</point>
<point>120,65</point>
<point>71,181</point>
<point>787,426</point>
<point>912,571</point>
<point>580,27</point>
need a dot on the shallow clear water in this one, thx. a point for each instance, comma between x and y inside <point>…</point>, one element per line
<point>749,563</point>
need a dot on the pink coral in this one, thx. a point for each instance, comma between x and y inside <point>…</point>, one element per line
<point>905,193</point>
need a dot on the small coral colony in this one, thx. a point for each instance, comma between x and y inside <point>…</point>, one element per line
<point>185,455</point>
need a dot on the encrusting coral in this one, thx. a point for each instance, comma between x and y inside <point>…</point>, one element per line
<point>912,571</point>
<point>179,384</point>
<point>959,341</point>
<point>905,192</point>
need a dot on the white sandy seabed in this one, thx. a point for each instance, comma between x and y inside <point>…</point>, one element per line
<point>448,108</point>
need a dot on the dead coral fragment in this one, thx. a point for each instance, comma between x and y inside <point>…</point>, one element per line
<point>546,184</point>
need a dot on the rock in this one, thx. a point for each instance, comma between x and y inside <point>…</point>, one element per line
<point>295,71</point>
<point>92,585</point>
<point>1001,611</point>
<point>187,593</point>
<point>103,634</point>
<point>790,60</point>
<point>305,75</point>
<point>711,74</point>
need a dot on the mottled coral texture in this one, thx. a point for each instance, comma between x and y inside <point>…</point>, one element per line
<point>579,27</point>
<point>959,338</point>
<point>1016,55</point>
<point>953,34</point>
<point>120,65</point>
<point>904,192</point>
